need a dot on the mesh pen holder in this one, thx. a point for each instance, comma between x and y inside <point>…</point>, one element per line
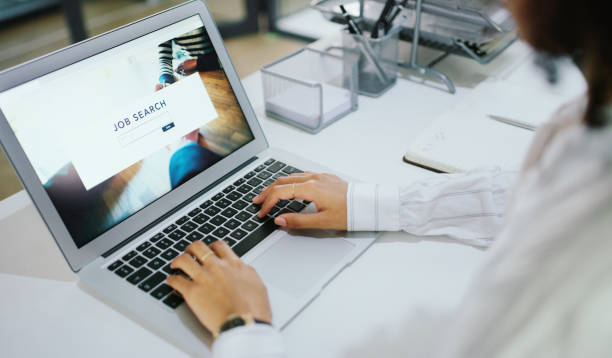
<point>376,60</point>
<point>310,89</point>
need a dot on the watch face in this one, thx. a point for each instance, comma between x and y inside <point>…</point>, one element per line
<point>231,323</point>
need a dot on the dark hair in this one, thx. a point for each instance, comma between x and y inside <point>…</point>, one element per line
<point>580,29</point>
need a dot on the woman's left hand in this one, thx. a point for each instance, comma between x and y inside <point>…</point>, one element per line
<point>221,285</point>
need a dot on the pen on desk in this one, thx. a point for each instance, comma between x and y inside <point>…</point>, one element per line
<point>364,46</point>
<point>511,122</point>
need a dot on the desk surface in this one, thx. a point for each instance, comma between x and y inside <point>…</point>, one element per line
<point>44,312</point>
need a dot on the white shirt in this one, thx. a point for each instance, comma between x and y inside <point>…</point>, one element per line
<point>545,289</point>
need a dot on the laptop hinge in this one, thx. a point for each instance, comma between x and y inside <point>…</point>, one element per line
<point>178,207</point>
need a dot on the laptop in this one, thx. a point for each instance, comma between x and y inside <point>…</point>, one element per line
<point>140,141</point>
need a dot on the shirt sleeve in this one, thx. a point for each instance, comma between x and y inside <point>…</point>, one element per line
<point>252,341</point>
<point>468,206</point>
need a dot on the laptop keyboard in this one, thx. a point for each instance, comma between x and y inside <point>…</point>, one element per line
<point>230,215</point>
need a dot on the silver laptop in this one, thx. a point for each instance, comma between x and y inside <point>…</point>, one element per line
<point>127,168</point>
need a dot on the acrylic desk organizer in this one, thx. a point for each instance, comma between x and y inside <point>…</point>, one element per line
<point>310,89</point>
<point>376,60</point>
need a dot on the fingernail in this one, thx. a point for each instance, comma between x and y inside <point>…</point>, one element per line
<point>280,221</point>
<point>256,198</point>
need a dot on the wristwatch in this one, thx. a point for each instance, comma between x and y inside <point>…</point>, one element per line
<point>237,320</point>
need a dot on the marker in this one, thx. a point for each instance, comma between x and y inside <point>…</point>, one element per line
<point>353,28</point>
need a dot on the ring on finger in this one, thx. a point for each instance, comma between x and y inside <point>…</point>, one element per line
<point>205,257</point>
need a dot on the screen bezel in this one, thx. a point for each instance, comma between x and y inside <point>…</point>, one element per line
<point>79,257</point>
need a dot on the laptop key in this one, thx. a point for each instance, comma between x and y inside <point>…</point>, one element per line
<point>232,224</point>
<point>212,211</point>
<point>218,220</point>
<point>279,175</point>
<point>151,252</point>
<point>188,227</point>
<point>170,228</point>
<point>257,219</point>
<point>194,212</point>
<point>238,234</point>
<point>245,188</point>
<point>138,261</point>
<point>157,237</point>
<point>173,300</point>
<point>258,190</point>
<point>229,212</point>
<point>206,228</point>
<point>182,220</point>
<point>177,235</point>
<point>233,196</point>
<point>206,204</point>
<point>274,210</point>
<point>254,238</point>
<point>254,182</point>
<point>194,236</point>
<point>269,161</point>
<point>124,271</point>
<point>139,275</point>
<point>129,255</point>
<point>229,189</point>
<point>243,216</point>
<point>268,182</point>
<point>209,240</point>
<point>143,246</point>
<point>169,255</point>
<point>200,219</point>
<point>221,232</point>
<point>249,175</point>
<point>264,175</point>
<point>161,291</point>
<point>260,168</point>
<point>181,245</point>
<point>217,196</point>
<point>164,244</point>
<point>223,203</point>
<point>296,206</point>
<point>276,167</point>
<point>253,208</point>
<point>156,263</point>
<point>239,182</point>
<point>282,203</point>
<point>167,269</point>
<point>249,226</point>
<point>249,197</point>
<point>114,265</point>
<point>152,281</point>
<point>229,241</point>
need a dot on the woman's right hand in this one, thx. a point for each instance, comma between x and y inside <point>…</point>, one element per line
<point>326,191</point>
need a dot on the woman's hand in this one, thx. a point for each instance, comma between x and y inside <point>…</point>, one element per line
<point>221,285</point>
<point>327,191</point>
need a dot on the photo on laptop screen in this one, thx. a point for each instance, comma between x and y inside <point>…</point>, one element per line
<point>112,133</point>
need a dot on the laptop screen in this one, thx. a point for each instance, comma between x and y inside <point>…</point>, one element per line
<point>112,133</point>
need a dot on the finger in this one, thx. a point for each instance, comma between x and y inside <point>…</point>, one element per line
<point>179,284</point>
<point>282,181</point>
<point>199,250</point>
<point>285,192</point>
<point>303,221</point>
<point>186,263</point>
<point>222,249</point>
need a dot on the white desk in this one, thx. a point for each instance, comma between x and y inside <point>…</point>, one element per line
<point>45,313</point>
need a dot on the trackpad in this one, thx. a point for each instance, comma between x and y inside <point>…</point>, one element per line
<point>295,263</point>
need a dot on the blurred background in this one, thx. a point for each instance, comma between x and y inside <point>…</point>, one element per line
<point>256,32</point>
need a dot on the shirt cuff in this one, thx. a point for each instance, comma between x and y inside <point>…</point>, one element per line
<point>254,340</point>
<point>372,207</point>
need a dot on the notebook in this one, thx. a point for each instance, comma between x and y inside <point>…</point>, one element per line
<point>465,138</point>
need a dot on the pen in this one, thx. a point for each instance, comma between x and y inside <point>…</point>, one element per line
<point>382,18</point>
<point>364,46</point>
<point>512,122</point>
<point>353,28</point>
